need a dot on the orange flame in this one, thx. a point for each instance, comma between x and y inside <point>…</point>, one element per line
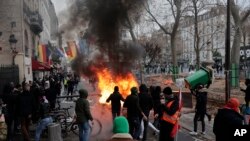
<point>107,82</point>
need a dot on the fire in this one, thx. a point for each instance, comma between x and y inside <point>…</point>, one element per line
<point>107,82</point>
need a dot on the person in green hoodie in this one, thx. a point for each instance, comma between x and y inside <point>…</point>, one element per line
<point>83,115</point>
<point>121,130</point>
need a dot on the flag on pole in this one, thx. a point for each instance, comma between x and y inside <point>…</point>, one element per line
<point>71,50</point>
<point>42,53</point>
<point>177,126</point>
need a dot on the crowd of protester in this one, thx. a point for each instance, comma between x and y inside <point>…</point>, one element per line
<point>166,112</point>
<point>32,101</point>
<point>137,107</point>
<point>22,103</point>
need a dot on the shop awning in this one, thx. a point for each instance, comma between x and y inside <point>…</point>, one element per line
<point>38,66</point>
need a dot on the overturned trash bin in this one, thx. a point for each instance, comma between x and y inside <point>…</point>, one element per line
<point>55,132</point>
<point>203,76</point>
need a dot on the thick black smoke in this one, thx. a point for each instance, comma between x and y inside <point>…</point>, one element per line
<point>105,22</point>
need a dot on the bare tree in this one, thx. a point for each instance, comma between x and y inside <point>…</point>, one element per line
<point>152,53</point>
<point>204,32</point>
<point>176,10</point>
<point>239,19</point>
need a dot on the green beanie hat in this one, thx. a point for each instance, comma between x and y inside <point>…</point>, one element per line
<point>120,125</point>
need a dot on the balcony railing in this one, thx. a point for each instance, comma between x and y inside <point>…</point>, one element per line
<point>36,23</point>
<point>33,19</point>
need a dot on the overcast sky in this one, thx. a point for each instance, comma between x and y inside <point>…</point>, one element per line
<point>60,5</point>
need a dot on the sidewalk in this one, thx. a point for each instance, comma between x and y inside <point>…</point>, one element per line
<point>186,122</point>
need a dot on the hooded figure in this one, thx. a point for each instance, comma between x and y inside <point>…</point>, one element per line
<point>121,130</point>
<point>115,99</point>
<point>133,112</point>
<point>83,115</point>
<point>227,120</point>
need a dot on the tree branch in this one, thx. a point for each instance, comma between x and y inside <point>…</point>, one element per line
<point>172,7</point>
<point>156,21</point>
<point>244,18</point>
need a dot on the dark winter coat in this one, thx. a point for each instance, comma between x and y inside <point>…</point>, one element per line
<point>44,110</point>
<point>146,103</point>
<point>82,110</point>
<point>115,99</point>
<point>201,102</point>
<point>225,120</point>
<point>132,105</point>
<point>25,104</point>
<point>71,84</point>
<point>11,103</point>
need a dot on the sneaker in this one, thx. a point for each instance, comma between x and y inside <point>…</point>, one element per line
<point>193,133</point>
<point>203,133</point>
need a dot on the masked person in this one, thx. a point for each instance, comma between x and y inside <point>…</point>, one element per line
<point>168,115</point>
<point>228,118</point>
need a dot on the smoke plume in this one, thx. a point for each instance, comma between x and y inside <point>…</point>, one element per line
<point>104,20</point>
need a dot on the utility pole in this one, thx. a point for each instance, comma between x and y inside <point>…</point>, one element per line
<point>227,53</point>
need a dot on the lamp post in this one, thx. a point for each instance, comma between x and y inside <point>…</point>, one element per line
<point>227,54</point>
<point>13,41</point>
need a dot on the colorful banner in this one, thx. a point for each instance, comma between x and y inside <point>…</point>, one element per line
<point>42,57</point>
<point>48,53</point>
<point>71,49</point>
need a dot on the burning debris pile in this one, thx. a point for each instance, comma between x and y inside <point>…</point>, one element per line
<point>112,61</point>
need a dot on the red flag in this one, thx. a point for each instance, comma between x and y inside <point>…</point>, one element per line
<point>177,126</point>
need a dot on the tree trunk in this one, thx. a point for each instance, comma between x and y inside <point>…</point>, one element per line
<point>178,4</point>
<point>131,31</point>
<point>173,52</point>
<point>196,35</point>
<point>197,51</point>
<point>235,52</point>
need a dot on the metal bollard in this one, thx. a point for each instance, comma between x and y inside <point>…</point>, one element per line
<point>55,132</point>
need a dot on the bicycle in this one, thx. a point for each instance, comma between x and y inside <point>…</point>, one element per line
<point>68,124</point>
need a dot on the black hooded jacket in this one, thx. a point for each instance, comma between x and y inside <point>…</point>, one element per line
<point>146,102</point>
<point>225,121</point>
<point>115,99</point>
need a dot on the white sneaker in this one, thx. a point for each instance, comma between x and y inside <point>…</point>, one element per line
<point>203,133</point>
<point>193,133</point>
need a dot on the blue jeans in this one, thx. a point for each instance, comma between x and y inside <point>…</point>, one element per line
<point>84,131</point>
<point>41,126</point>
